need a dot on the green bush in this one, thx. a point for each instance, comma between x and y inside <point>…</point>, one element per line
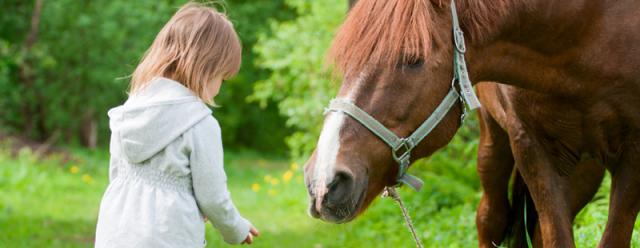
<point>299,81</point>
<point>78,67</point>
<point>71,70</point>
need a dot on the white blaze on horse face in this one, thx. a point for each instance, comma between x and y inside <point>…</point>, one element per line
<point>329,145</point>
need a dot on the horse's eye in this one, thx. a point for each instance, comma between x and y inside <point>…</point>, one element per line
<point>415,63</point>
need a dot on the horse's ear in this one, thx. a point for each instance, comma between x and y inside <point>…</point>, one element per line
<point>352,3</point>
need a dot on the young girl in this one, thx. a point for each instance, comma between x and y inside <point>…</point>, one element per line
<point>166,170</point>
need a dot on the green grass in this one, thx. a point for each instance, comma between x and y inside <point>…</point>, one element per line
<point>54,203</point>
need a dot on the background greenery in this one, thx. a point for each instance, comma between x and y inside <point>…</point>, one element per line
<point>271,115</point>
<point>84,51</point>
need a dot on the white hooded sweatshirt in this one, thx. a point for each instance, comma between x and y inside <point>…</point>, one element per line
<point>166,172</point>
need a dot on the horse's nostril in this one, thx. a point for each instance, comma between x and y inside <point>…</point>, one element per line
<point>340,188</point>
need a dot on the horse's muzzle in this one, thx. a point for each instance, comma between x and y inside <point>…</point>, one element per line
<point>339,200</point>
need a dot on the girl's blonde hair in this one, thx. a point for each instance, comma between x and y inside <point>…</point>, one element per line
<point>197,45</point>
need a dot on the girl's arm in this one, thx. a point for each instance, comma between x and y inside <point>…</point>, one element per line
<point>210,182</point>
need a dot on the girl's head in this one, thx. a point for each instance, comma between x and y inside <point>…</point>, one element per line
<point>198,47</point>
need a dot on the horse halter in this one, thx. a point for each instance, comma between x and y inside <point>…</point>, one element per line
<point>401,147</point>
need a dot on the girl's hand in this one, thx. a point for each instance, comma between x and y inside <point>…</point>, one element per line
<point>252,232</point>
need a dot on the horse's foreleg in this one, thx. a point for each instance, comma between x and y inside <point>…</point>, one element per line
<point>625,200</point>
<point>585,180</point>
<point>495,164</point>
<point>548,188</point>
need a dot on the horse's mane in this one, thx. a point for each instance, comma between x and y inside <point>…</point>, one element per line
<point>400,31</point>
<point>383,32</point>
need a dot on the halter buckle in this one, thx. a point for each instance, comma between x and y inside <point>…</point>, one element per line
<point>405,147</point>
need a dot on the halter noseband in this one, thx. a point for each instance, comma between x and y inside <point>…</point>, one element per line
<point>401,147</point>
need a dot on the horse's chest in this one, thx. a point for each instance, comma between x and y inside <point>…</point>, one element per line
<point>608,132</point>
<point>555,123</point>
<point>570,131</point>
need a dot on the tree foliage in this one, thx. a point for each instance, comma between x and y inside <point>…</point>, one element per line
<point>300,80</point>
<point>79,64</point>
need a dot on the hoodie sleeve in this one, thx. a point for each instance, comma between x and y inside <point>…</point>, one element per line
<point>210,182</point>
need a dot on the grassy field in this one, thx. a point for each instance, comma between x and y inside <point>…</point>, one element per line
<point>54,203</point>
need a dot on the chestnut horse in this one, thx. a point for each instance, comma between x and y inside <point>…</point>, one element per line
<point>396,57</point>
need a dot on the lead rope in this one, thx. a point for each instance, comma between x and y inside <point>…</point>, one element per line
<point>391,192</point>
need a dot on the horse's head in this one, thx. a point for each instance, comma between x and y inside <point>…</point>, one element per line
<point>398,68</point>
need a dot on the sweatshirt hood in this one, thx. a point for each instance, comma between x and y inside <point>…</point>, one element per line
<point>151,119</point>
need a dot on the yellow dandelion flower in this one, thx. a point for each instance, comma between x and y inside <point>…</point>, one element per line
<point>272,192</point>
<point>255,187</point>
<point>286,177</point>
<point>87,178</point>
<point>267,178</point>
<point>275,181</point>
<point>294,166</point>
<point>74,169</point>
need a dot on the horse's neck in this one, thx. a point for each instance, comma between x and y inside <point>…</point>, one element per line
<point>533,41</point>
